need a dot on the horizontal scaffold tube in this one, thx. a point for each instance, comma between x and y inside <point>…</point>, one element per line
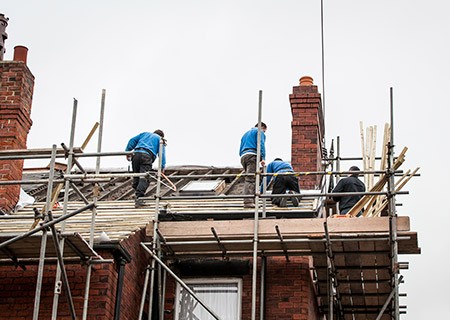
<point>99,177</point>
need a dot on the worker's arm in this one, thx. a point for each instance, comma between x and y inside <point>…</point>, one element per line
<point>263,148</point>
<point>163,157</point>
<point>131,145</point>
<point>339,188</point>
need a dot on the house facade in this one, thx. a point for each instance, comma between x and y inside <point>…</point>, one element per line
<point>207,244</point>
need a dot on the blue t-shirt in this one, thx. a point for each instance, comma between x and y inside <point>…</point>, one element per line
<point>148,142</point>
<point>249,143</point>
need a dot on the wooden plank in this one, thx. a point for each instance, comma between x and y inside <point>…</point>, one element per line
<point>384,152</point>
<point>363,149</point>
<point>354,275</point>
<point>372,154</point>
<point>378,186</point>
<point>376,211</point>
<point>367,274</point>
<point>30,247</point>
<point>289,227</point>
<point>54,198</point>
<point>89,136</point>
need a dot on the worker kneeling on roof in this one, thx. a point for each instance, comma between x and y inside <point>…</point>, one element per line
<point>283,182</point>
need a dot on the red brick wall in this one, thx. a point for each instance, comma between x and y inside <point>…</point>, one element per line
<point>16,92</point>
<point>17,288</point>
<point>289,291</point>
<point>134,276</point>
<point>307,133</point>
<point>290,294</point>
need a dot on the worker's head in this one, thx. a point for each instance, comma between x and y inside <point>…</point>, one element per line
<point>277,159</point>
<point>159,133</point>
<point>354,168</point>
<point>263,126</point>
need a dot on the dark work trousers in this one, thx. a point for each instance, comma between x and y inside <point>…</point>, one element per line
<point>248,162</point>
<point>283,183</point>
<point>141,162</point>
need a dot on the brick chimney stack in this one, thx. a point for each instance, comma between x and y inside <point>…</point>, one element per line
<point>307,131</point>
<point>16,93</point>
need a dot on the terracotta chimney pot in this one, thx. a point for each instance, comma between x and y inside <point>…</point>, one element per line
<point>20,54</point>
<point>306,81</point>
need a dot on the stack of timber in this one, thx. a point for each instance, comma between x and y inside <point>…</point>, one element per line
<point>373,205</point>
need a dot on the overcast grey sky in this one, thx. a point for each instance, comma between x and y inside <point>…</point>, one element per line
<point>194,68</point>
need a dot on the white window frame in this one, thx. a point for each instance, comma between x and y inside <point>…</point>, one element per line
<point>237,281</point>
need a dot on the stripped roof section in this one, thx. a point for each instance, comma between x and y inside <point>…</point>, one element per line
<point>119,188</point>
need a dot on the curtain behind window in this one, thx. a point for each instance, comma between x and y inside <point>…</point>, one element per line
<point>222,298</point>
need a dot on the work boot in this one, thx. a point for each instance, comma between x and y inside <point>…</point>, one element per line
<point>138,203</point>
<point>249,205</point>
<point>295,200</point>
<point>279,202</point>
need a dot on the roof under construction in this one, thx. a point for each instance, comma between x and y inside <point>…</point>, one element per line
<point>215,225</point>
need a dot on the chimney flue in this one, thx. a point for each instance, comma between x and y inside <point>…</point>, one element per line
<point>3,34</point>
<point>306,81</point>
<point>20,54</point>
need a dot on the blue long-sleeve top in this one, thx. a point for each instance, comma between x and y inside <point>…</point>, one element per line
<point>147,142</point>
<point>278,166</point>
<point>249,143</point>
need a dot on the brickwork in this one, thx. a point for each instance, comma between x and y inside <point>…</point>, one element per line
<point>307,133</point>
<point>134,276</point>
<point>289,291</point>
<point>16,92</point>
<point>17,288</point>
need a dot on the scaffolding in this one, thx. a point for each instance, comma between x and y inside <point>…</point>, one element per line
<point>346,263</point>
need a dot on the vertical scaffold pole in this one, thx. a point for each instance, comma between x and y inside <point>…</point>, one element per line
<point>393,215</point>
<point>144,292</point>
<point>37,296</point>
<point>94,209</point>
<point>256,222</point>
<point>155,245</point>
<point>338,157</point>
<point>262,295</point>
<point>65,203</point>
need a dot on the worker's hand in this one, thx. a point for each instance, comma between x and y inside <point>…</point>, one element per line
<point>263,163</point>
<point>129,157</point>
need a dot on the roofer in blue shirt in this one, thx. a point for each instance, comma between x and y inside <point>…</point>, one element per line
<point>146,149</point>
<point>282,183</point>
<point>247,152</point>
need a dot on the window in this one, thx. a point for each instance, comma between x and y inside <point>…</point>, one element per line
<point>223,296</point>
<point>203,187</point>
